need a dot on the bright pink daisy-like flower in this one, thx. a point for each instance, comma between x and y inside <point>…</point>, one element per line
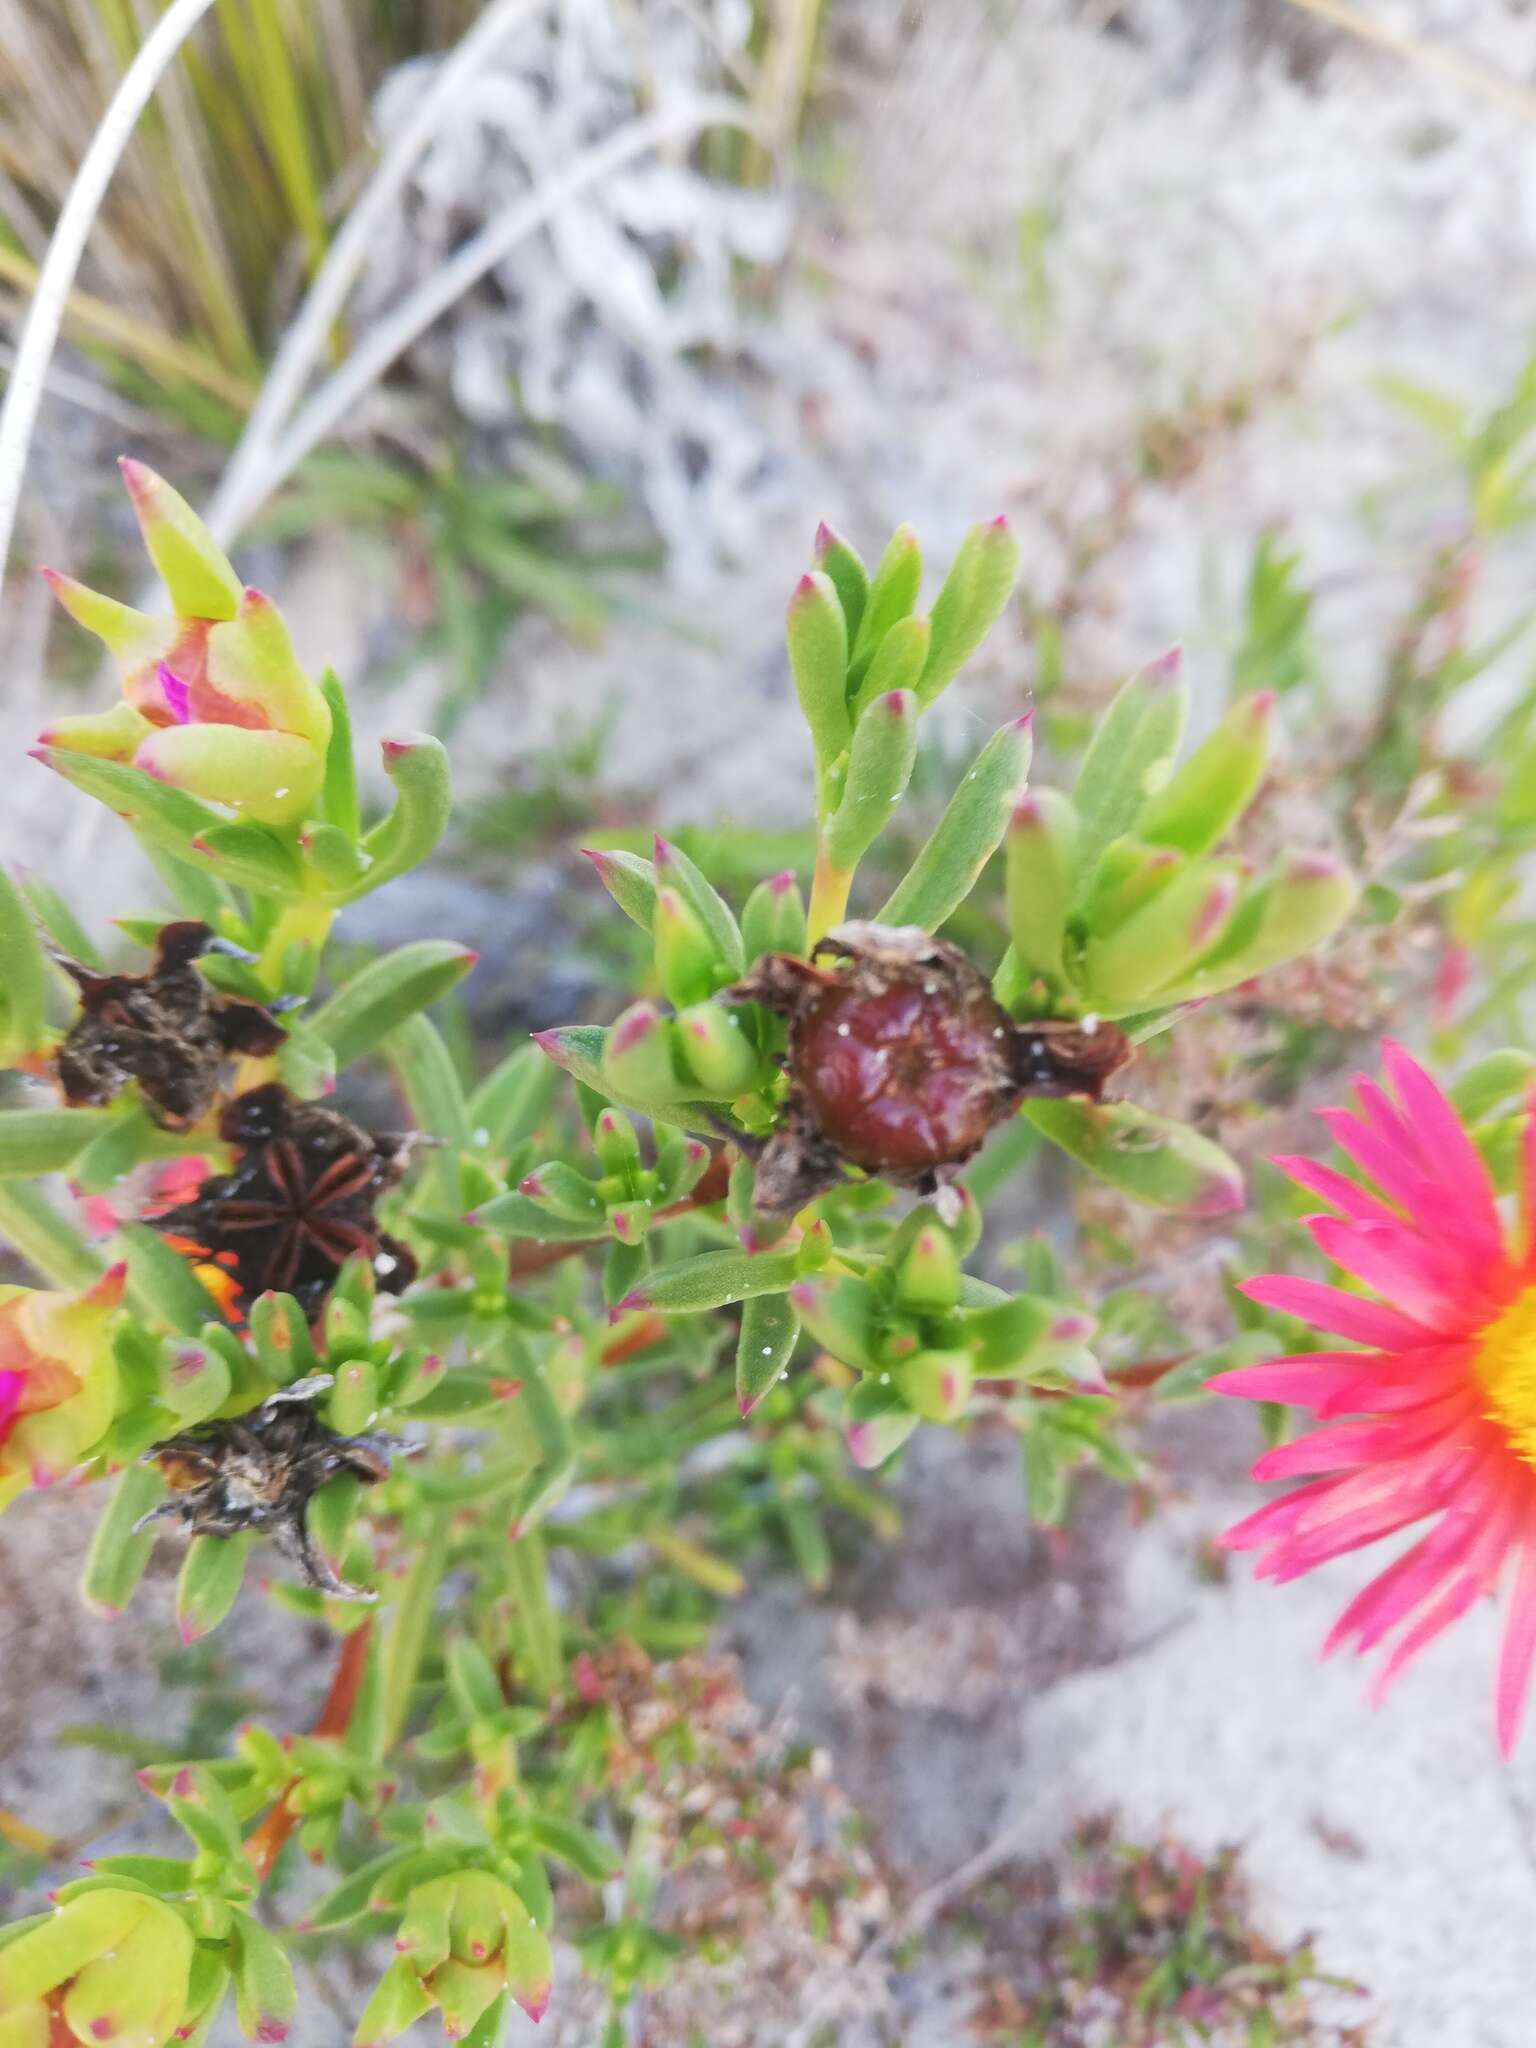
<point>1441,1400</point>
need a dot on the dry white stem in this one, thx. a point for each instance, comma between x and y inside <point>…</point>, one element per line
<point>410,319</point>
<point>303,345</point>
<point>56,278</point>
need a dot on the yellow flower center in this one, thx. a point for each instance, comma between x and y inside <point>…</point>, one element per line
<point>1505,1369</point>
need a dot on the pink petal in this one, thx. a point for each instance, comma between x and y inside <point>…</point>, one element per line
<point>1481,1564</point>
<point>1451,1606</point>
<point>1395,1174</point>
<point>1334,1187</point>
<point>1385,1596</point>
<point>1348,1444</point>
<point>1398,1264</point>
<point>1444,1551</point>
<point>1443,1141</point>
<point>1330,1308</point>
<point>1275,1518</point>
<point>1304,1378</point>
<point>1383,1116</point>
<point>12,1387</point>
<point>176,693</point>
<point>1416,1377</point>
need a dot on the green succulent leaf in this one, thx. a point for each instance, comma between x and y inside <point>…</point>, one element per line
<point>1130,753</point>
<point>382,995</point>
<point>713,1280</point>
<point>770,1330</point>
<point>1148,1157</point>
<point>418,767</point>
<point>966,836</point>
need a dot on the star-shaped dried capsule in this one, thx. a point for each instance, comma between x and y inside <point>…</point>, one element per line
<point>170,1030</point>
<point>260,1472</point>
<point>297,1204</point>
<point>901,1061</point>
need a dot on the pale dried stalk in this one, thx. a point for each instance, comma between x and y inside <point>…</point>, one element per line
<point>304,343</point>
<point>397,330</point>
<point>34,352</point>
<point>1514,99</point>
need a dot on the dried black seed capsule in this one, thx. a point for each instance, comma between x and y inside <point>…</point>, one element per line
<point>169,1030</point>
<point>297,1204</point>
<point>260,1472</point>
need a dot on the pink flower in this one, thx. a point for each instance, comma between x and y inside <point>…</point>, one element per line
<point>12,1386</point>
<point>1433,1420</point>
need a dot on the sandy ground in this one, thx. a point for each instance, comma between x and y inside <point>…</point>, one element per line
<point>1242,217</point>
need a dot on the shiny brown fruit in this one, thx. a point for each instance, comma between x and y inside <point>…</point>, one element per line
<point>901,1061</point>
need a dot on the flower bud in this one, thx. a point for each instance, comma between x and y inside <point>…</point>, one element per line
<point>215,701</point>
<point>58,1380</point>
<point>464,1940</point>
<point>114,1965</point>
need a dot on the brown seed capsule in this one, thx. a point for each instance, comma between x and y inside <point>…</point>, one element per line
<point>901,1061</point>
<point>169,1030</point>
<point>298,1203</point>
<point>260,1471</point>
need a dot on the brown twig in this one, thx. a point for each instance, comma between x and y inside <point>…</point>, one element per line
<point>265,1843</point>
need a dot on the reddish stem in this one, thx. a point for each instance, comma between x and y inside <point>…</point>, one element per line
<point>265,1843</point>
<point>642,1333</point>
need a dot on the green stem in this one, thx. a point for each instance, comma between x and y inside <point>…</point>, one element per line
<point>412,1624</point>
<point>306,923</point>
<point>50,1244</point>
<point>829,897</point>
<point>536,1626</point>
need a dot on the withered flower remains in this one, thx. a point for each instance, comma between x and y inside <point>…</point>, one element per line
<point>169,1030</point>
<point>901,1061</point>
<point>260,1471</point>
<point>297,1204</point>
